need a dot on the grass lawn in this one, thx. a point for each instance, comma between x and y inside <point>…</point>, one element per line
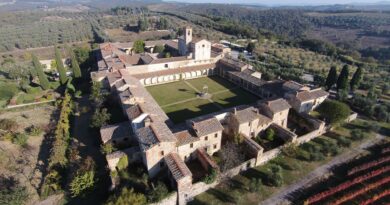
<point>179,99</point>
<point>236,190</point>
<point>171,92</point>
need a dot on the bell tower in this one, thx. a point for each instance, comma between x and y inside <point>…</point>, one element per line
<point>188,35</point>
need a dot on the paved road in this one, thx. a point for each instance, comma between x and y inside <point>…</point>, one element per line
<point>281,197</point>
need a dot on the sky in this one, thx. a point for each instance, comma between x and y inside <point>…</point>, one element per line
<point>283,2</point>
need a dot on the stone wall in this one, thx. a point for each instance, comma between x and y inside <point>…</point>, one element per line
<point>309,136</point>
<point>269,155</point>
<point>352,117</point>
<point>283,133</point>
<point>240,168</point>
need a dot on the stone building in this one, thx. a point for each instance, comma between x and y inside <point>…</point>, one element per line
<point>151,138</point>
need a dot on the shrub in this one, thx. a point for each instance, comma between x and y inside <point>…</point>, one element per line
<point>254,185</point>
<point>290,150</point>
<point>34,130</point>
<point>158,193</point>
<point>357,134</point>
<point>343,141</point>
<point>11,192</point>
<point>210,178</point>
<point>275,176</point>
<point>114,174</point>
<point>270,134</point>
<point>100,118</point>
<point>107,148</point>
<point>82,183</point>
<point>373,126</point>
<point>78,94</point>
<point>8,125</point>
<point>303,155</point>
<point>20,139</point>
<point>123,163</point>
<point>128,196</point>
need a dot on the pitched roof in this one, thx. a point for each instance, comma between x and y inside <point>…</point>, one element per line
<point>207,126</point>
<point>292,85</point>
<point>133,112</point>
<point>155,133</point>
<point>277,105</point>
<point>177,167</point>
<point>116,131</point>
<point>233,64</point>
<point>249,76</point>
<point>304,96</point>
<point>185,137</point>
<point>246,115</point>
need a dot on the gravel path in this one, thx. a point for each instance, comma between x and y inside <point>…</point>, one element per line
<point>281,196</point>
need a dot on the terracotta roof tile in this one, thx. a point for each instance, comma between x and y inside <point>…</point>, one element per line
<point>177,167</point>
<point>120,130</point>
<point>207,126</point>
<point>277,105</point>
<point>185,137</point>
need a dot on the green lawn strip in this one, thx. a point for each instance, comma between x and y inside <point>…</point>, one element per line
<point>171,92</point>
<point>215,84</point>
<point>180,112</point>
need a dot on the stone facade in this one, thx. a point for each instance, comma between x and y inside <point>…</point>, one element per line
<point>161,146</point>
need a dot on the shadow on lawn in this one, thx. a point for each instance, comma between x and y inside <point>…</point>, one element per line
<point>182,115</point>
<point>222,196</point>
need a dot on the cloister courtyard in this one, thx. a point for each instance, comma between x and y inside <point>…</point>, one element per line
<point>180,100</point>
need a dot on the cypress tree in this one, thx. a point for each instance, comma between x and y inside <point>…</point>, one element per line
<point>75,64</point>
<point>342,81</point>
<point>41,75</point>
<point>60,66</point>
<point>332,78</point>
<point>356,78</point>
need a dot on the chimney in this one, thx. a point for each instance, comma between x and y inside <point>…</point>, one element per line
<point>147,121</point>
<point>235,111</point>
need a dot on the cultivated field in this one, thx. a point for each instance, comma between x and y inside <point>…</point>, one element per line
<point>180,100</point>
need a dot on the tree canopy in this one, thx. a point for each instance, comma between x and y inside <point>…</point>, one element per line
<point>334,111</point>
<point>60,66</point>
<point>342,81</point>
<point>128,196</point>
<point>356,78</point>
<point>139,46</point>
<point>332,78</point>
<point>44,83</point>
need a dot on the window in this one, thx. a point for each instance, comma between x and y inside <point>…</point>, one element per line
<point>203,45</point>
<point>249,124</point>
<point>166,65</point>
<point>206,138</point>
<point>162,153</point>
<point>192,145</point>
<point>216,135</point>
<point>215,146</point>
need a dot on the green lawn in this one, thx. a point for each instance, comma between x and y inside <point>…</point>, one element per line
<point>171,92</point>
<point>179,99</point>
<point>215,84</point>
